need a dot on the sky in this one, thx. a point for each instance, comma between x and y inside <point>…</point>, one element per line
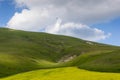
<point>94,20</point>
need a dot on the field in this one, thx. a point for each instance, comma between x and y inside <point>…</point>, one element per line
<point>70,73</point>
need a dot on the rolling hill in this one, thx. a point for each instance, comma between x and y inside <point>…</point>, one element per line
<point>22,51</point>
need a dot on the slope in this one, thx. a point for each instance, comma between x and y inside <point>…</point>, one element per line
<point>107,61</point>
<point>22,51</point>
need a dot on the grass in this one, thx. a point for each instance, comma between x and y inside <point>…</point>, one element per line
<point>105,61</point>
<point>22,51</point>
<point>70,73</point>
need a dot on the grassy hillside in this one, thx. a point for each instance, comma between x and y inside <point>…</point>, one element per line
<point>70,73</point>
<point>107,61</point>
<point>22,51</point>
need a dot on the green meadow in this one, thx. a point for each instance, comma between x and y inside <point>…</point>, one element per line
<point>42,56</point>
<point>70,73</point>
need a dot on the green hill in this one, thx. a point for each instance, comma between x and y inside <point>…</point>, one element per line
<point>100,61</point>
<point>22,51</point>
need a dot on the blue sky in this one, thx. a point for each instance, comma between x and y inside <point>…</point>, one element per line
<point>7,10</point>
<point>90,25</point>
<point>113,27</point>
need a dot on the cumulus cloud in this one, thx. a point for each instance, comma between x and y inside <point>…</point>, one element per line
<point>30,20</point>
<point>40,14</point>
<point>77,30</point>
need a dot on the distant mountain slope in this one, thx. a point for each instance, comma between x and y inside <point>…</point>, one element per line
<point>22,51</point>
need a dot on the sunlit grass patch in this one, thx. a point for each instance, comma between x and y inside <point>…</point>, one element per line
<point>70,73</point>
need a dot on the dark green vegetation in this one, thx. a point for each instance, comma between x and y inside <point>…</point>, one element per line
<point>22,51</point>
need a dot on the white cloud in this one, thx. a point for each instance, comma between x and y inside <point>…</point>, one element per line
<point>77,30</point>
<point>83,11</point>
<point>29,20</point>
<point>43,13</point>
